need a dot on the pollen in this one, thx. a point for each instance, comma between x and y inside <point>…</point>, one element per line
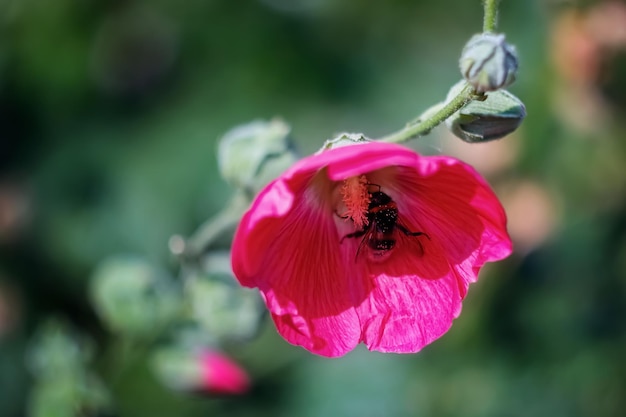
<point>356,197</point>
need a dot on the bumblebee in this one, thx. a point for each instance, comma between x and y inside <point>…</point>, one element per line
<point>379,234</point>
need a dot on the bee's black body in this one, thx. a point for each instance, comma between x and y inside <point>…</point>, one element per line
<point>379,232</point>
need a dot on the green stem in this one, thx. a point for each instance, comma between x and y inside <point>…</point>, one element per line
<point>424,126</point>
<point>227,219</point>
<point>490,21</point>
<point>126,354</point>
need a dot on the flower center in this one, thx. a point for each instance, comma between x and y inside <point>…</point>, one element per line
<point>356,197</point>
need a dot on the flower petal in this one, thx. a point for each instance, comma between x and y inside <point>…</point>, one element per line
<point>349,161</point>
<point>295,263</point>
<point>404,314</point>
<point>459,211</point>
<point>417,292</point>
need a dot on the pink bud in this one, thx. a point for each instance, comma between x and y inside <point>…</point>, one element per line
<point>221,375</point>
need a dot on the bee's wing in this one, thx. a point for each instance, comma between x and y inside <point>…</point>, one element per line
<point>408,237</point>
<point>366,238</point>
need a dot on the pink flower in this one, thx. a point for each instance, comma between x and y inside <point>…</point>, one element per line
<point>220,375</point>
<point>392,287</point>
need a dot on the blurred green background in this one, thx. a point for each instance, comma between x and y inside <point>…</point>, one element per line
<point>109,116</point>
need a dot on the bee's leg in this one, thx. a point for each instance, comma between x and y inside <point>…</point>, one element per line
<point>356,255</point>
<point>409,233</point>
<point>374,185</point>
<point>354,235</point>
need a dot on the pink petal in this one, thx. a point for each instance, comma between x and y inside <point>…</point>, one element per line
<point>414,296</point>
<point>404,314</point>
<point>458,211</point>
<point>417,293</point>
<point>349,161</point>
<point>295,262</point>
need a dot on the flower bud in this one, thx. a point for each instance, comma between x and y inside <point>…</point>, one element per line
<point>57,349</point>
<point>344,139</point>
<point>253,154</point>
<point>221,375</point>
<point>488,62</point>
<point>133,297</point>
<point>224,310</point>
<point>62,379</point>
<point>200,370</point>
<point>499,114</point>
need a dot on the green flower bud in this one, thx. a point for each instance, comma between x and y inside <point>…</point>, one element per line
<point>488,62</point>
<point>344,139</point>
<point>224,309</point>
<point>499,114</point>
<point>253,154</point>
<point>56,350</point>
<point>63,382</point>
<point>133,297</point>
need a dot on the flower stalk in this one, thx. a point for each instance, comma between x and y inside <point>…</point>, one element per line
<point>227,219</point>
<point>427,122</point>
<point>490,21</point>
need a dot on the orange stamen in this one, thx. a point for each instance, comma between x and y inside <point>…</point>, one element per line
<point>356,197</point>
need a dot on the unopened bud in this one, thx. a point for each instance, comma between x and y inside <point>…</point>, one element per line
<point>488,62</point>
<point>221,375</point>
<point>57,350</point>
<point>344,139</point>
<point>200,370</point>
<point>499,114</point>
<point>133,297</point>
<point>253,154</point>
<point>63,381</point>
<point>224,309</point>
